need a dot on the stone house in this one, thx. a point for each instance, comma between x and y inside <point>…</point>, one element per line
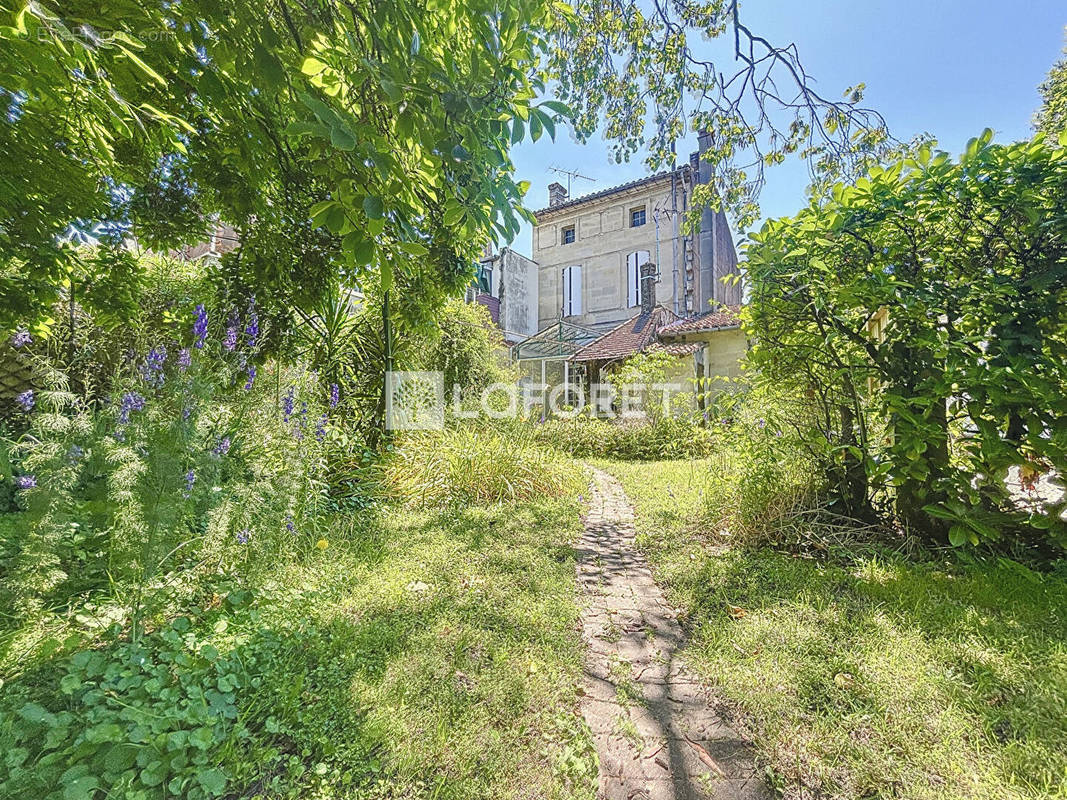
<point>617,263</point>
<point>589,250</point>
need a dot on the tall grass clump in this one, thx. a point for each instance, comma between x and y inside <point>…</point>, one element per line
<point>466,465</point>
<point>587,437</point>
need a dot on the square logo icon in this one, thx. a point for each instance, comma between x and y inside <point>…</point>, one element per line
<point>414,400</point>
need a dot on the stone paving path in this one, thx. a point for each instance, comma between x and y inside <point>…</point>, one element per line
<point>655,725</point>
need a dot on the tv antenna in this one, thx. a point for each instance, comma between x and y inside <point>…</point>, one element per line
<point>571,174</point>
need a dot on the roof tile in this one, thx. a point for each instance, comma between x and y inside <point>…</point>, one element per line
<point>723,318</point>
<point>632,336</point>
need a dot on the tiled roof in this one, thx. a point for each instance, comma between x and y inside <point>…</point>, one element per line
<point>724,318</point>
<point>573,201</point>
<point>630,337</point>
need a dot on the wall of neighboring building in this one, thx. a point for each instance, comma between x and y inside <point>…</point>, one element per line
<point>512,298</point>
<point>603,238</point>
<point>715,254</point>
<point>518,293</point>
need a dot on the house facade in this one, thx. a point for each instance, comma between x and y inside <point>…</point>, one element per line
<point>589,251</point>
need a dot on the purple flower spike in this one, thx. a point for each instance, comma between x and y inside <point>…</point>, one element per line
<point>185,359</point>
<point>335,395</point>
<point>26,400</point>
<point>243,536</point>
<point>152,370</point>
<point>223,446</point>
<point>320,428</point>
<point>200,327</point>
<point>131,401</point>
<point>251,377</point>
<point>230,342</point>
<point>252,328</point>
<point>289,524</point>
<point>287,404</point>
<point>26,481</point>
<point>190,479</point>
<point>21,338</point>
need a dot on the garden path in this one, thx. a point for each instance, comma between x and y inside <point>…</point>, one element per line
<point>655,725</point>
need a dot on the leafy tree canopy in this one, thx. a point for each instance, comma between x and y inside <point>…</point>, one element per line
<point>1051,118</point>
<point>342,139</point>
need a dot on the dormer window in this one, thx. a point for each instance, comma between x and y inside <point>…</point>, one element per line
<point>637,217</point>
<point>567,235</point>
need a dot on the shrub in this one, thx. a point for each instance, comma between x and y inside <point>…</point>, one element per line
<point>468,465</point>
<point>920,314</point>
<point>760,477</point>
<point>468,349</point>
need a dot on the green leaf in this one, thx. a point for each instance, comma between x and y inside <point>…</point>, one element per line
<point>153,774</point>
<point>416,249</point>
<point>213,781</point>
<point>342,138</point>
<point>454,213</point>
<point>312,66</point>
<point>372,206</point>
<point>363,252</point>
<point>120,758</point>
<point>957,535</point>
<point>558,107</point>
<point>318,211</point>
<point>82,788</point>
<point>32,712</point>
<point>386,275</point>
<point>269,66</point>
<point>536,128</point>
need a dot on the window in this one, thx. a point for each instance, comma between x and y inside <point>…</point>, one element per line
<point>567,236</point>
<point>637,217</point>
<point>633,277</point>
<point>572,291</point>
<point>484,280</point>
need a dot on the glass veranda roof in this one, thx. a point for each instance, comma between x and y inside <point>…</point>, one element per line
<point>558,341</point>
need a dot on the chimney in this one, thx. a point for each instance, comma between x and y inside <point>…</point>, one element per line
<point>648,287</point>
<point>556,194</point>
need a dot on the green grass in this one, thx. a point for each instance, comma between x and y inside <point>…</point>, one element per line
<point>869,676</point>
<point>420,655</point>
<point>463,651</point>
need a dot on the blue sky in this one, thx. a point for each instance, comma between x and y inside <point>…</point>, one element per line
<point>946,67</point>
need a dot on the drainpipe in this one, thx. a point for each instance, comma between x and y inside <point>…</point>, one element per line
<point>674,235</point>
<point>655,217</point>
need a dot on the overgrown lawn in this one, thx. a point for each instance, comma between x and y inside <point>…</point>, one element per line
<point>419,655</point>
<point>871,675</point>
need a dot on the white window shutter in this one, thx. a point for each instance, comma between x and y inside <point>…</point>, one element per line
<point>572,291</point>
<point>634,261</point>
<point>633,295</point>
